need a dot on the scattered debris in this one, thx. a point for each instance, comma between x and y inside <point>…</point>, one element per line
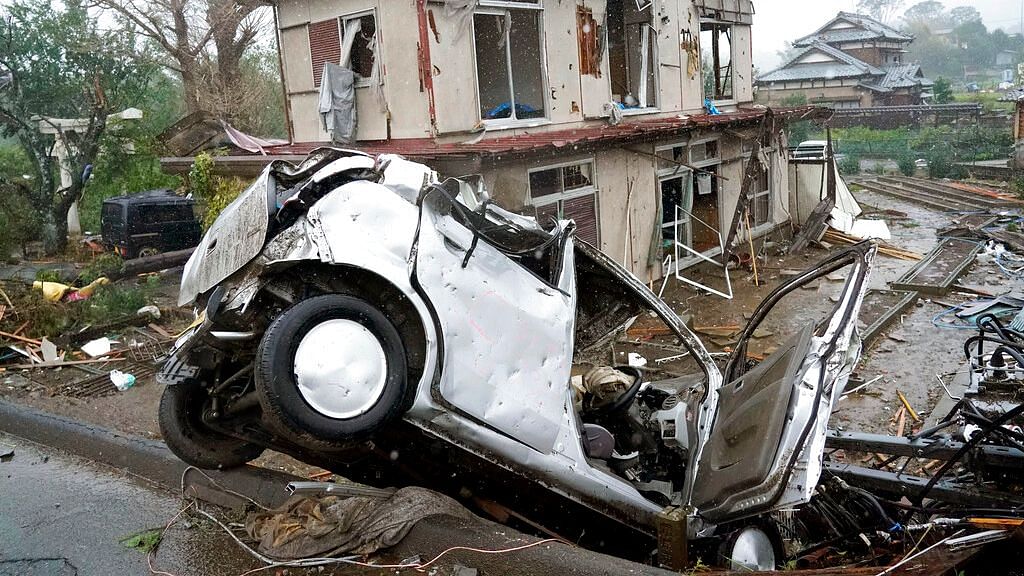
<point>98,347</point>
<point>121,380</point>
<point>325,526</point>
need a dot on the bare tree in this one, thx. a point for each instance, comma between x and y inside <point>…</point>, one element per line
<point>881,10</point>
<point>205,41</point>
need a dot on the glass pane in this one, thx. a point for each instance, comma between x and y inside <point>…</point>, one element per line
<point>711,150</point>
<point>672,192</point>
<point>698,153</point>
<point>670,159</point>
<point>578,176</point>
<point>545,183</point>
<point>492,66</point>
<point>527,64</point>
<point>761,209</point>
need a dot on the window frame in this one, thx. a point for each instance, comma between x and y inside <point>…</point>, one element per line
<point>559,198</point>
<point>361,81</point>
<point>670,173</point>
<point>654,66</point>
<point>500,8</point>
<point>717,24</point>
<point>755,228</point>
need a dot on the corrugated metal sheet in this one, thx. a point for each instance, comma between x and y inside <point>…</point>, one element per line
<point>572,139</point>
<point>523,145</point>
<point>324,46</point>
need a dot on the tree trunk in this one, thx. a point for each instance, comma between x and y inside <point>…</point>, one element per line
<point>191,89</point>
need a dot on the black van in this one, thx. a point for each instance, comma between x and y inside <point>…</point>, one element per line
<point>149,223</point>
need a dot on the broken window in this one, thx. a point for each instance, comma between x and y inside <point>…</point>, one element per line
<point>591,42</point>
<point>349,41</point>
<point>632,54</point>
<point>509,61</point>
<point>676,182</point>
<point>567,192</point>
<point>358,43</point>
<point>716,47</point>
<point>761,210</point>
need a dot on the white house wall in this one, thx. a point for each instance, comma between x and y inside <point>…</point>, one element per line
<point>595,91</point>
<point>406,104</point>
<point>670,57</point>
<point>692,86</point>
<point>571,97</point>
<point>563,62</point>
<point>743,64</point>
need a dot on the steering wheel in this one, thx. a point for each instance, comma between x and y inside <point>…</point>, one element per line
<point>628,396</point>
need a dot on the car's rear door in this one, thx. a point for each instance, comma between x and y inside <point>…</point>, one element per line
<point>765,446</point>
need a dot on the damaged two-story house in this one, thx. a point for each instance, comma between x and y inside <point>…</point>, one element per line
<point>853,61</point>
<point>592,110</point>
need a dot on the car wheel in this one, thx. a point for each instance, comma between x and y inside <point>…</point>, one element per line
<point>756,547</point>
<point>189,438</point>
<point>147,252</point>
<point>331,370</point>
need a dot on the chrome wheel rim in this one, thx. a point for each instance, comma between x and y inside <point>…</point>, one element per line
<point>752,550</point>
<point>340,369</point>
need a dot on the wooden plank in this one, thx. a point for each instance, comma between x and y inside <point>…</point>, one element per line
<point>10,336</point>
<point>61,364</point>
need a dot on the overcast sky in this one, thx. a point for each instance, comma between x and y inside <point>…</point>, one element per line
<point>778,21</point>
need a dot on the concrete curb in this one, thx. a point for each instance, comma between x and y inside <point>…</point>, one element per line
<point>148,459</point>
<point>153,461</point>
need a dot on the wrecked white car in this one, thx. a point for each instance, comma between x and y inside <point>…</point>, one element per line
<point>357,312</point>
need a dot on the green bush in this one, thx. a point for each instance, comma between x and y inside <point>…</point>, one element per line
<point>213,193</point>
<point>907,165</point>
<point>47,275</point>
<point>103,266</point>
<point>111,302</point>
<point>849,165</point>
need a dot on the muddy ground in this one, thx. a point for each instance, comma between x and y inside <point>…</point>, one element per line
<point>908,355</point>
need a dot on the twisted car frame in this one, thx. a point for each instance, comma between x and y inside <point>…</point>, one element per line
<point>360,312</point>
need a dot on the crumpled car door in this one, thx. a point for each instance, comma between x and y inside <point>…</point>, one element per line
<point>765,447</point>
<point>507,334</point>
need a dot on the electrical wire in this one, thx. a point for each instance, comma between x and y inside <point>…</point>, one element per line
<point>219,486</point>
<point>149,556</point>
<point>314,562</point>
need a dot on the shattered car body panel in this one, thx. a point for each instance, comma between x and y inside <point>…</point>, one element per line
<point>506,369</point>
<point>497,300</point>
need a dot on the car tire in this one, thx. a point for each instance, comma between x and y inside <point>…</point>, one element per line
<point>330,371</point>
<point>190,439</point>
<point>147,251</point>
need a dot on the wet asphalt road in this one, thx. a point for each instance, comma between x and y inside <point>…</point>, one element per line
<point>64,515</point>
